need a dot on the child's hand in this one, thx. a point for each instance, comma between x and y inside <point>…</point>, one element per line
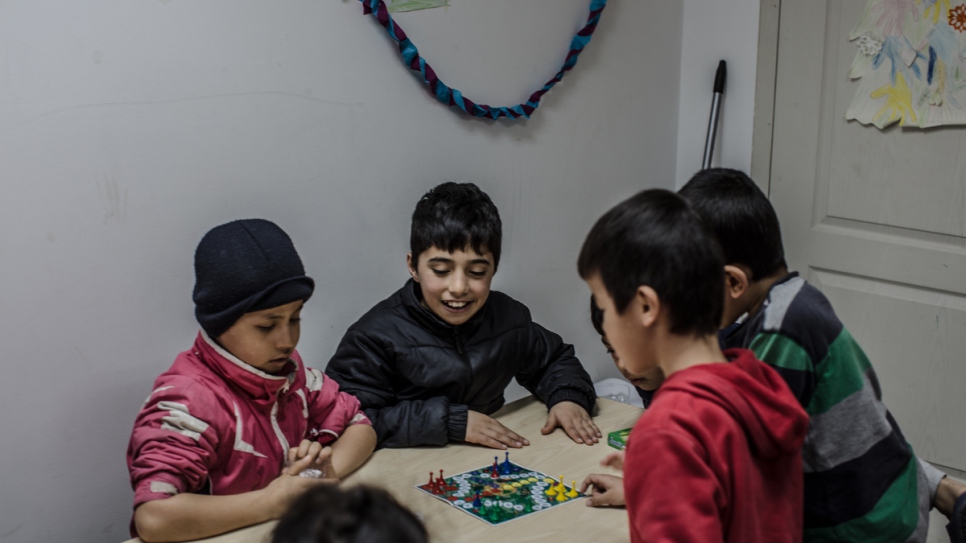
<point>319,458</point>
<point>486,431</point>
<point>288,486</point>
<point>574,420</point>
<point>614,460</point>
<point>607,490</point>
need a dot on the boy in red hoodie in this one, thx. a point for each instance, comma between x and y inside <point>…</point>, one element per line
<point>722,456</point>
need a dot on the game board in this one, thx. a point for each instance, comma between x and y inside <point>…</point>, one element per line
<point>502,492</point>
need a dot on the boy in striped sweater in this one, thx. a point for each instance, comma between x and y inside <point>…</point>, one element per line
<point>862,480</point>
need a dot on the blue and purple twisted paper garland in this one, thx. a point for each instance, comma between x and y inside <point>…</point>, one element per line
<point>453,97</point>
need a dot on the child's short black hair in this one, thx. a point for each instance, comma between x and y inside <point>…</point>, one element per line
<point>742,218</point>
<point>453,216</point>
<point>360,514</point>
<point>596,316</point>
<point>654,239</point>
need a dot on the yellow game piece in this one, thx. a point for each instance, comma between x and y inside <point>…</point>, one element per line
<point>551,491</point>
<point>561,496</point>
<point>561,488</point>
<point>573,490</point>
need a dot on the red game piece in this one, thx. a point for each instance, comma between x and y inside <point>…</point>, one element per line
<point>434,486</point>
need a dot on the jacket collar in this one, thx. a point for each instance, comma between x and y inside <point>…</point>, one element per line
<point>736,333</point>
<point>263,388</point>
<point>412,296</point>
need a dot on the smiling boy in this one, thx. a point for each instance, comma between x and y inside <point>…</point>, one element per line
<point>430,363</point>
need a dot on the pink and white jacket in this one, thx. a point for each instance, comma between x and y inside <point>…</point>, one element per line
<point>217,425</point>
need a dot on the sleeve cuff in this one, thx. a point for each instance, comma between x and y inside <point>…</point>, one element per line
<point>456,423</point>
<point>572,395</point>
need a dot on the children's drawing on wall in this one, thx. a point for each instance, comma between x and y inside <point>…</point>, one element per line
<point>412,5</point>
<point>911,62</point>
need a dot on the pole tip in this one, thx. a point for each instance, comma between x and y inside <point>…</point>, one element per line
<point>720,76</point>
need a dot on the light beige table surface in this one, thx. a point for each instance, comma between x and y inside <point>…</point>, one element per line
<point>399,470</point>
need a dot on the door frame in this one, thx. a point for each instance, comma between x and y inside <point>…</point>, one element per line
<point>765,80</point>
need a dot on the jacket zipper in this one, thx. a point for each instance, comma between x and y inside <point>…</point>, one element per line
<point>456,338</point>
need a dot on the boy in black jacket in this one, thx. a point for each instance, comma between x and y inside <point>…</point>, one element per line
<point>431,362</point>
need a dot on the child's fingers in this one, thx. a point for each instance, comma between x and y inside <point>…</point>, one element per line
<point>594,428</point>
<point>486,441</point>
<point>587,431</point>
<point>517,438</point>
<point>304,447</point>
<point>587,425</point>
<point>577,432</point>
<point>300,465</point>
<point>313,450</point>
<point>550,425</point>
<point>614,460</point>
<point>505,437</point>
<point>324,455</point>
<point>604,499</point>
<point>608,490</point>
<point>573,432</point>
<point>587,482</point>
<point>293,455</point>
<point>597,500</point>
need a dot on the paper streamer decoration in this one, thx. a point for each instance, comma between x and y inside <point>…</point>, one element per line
<point>414,5</point>
<point>453,97</point>
<point>911,63</point>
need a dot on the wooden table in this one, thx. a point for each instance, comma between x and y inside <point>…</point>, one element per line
<point>399,470</point>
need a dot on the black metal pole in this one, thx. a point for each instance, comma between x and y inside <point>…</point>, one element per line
<point>719,85</point>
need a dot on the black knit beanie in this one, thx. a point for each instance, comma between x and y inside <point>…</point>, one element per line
<point>245,266</point>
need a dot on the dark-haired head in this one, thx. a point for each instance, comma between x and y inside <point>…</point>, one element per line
<point>741,217</point>
<point>596,316</point>
<point>653,239</point>
<point>456,216</point>
<point>360,514</point>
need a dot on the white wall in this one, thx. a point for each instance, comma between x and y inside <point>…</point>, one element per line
<point>130,127</point>
<point>713,31</point>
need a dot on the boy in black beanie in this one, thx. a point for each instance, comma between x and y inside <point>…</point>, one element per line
<point>227,430</point>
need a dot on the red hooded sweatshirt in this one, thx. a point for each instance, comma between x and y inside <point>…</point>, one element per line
<point>717,457</point>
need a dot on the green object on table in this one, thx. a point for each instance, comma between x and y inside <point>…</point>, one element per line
<point>413,5</point>
<point>618,439</point>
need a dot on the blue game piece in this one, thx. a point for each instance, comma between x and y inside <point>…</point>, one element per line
<point>476,500</point>
<point>506,468</point>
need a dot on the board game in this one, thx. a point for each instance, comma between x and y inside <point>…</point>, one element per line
<point>502,492</point>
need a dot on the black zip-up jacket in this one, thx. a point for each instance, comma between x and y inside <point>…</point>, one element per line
<point>417,376</point>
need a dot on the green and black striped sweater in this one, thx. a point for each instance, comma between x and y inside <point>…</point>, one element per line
<point>862,481</point>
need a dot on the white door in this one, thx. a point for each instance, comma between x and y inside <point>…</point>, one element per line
<point>876,220</point>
